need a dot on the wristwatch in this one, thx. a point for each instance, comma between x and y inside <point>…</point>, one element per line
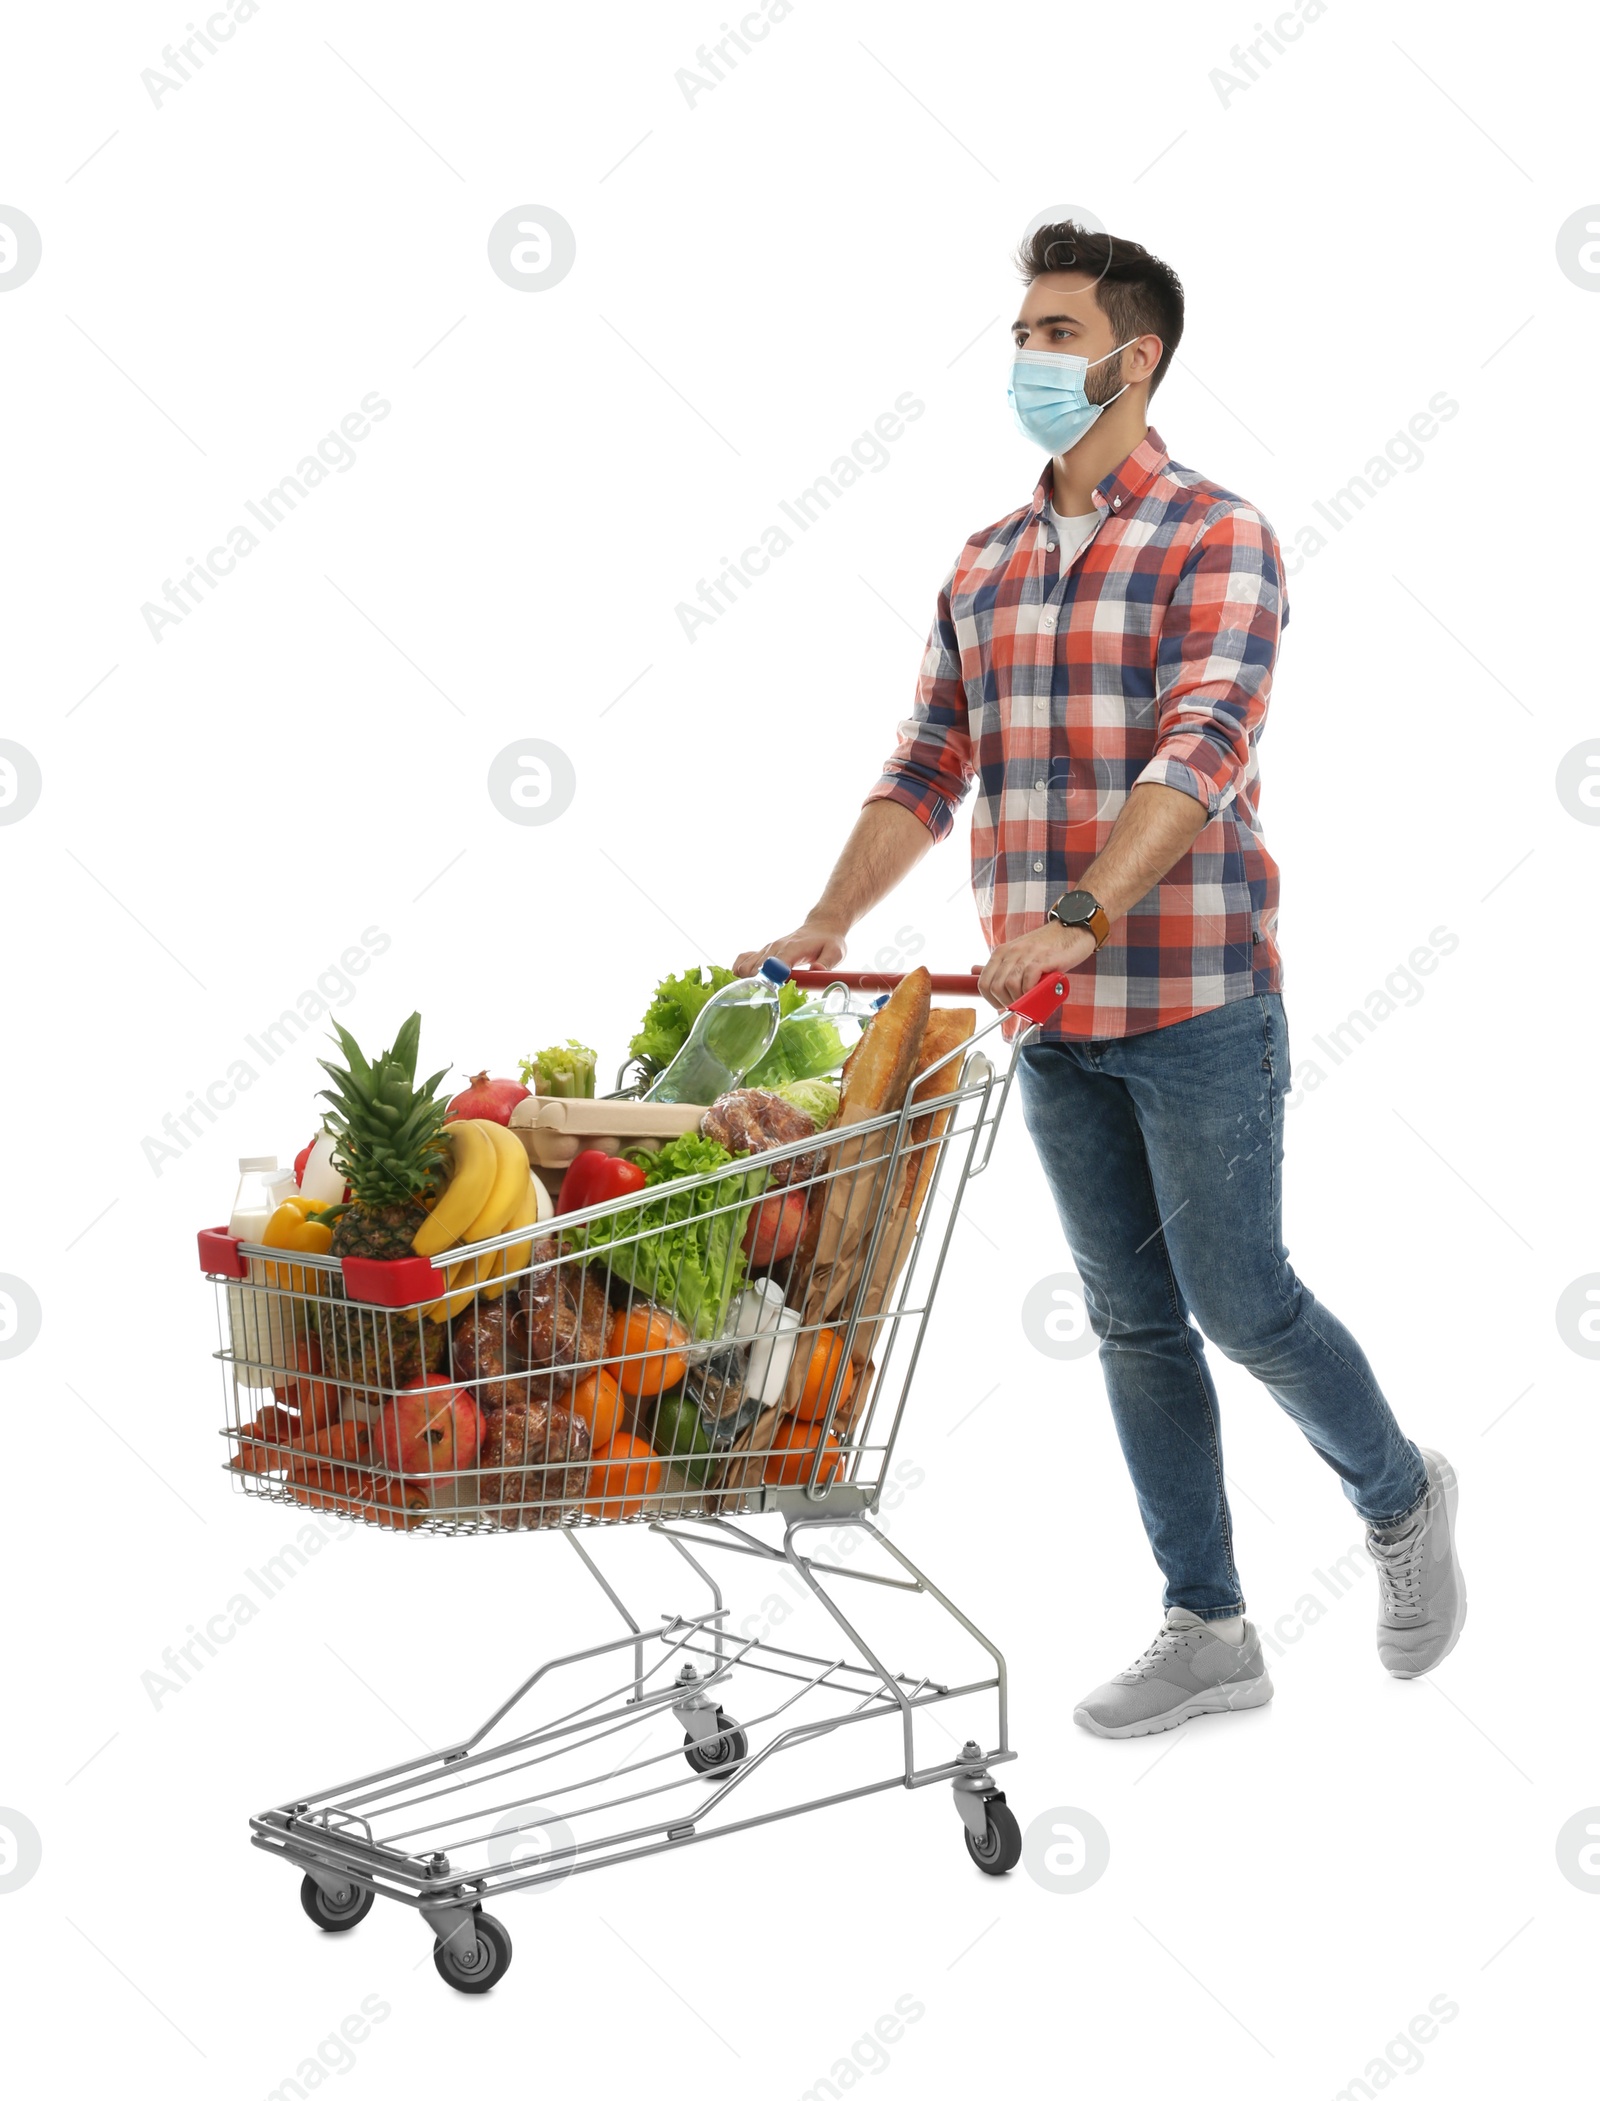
<point>1078,908</point>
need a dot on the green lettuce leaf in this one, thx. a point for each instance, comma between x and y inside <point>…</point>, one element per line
<point>674,1006</point>
<point>688,1260</point>
<point>801,1050</point>
<point>818,1098</point>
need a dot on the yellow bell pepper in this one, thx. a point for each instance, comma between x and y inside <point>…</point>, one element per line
<point>290,1227</point>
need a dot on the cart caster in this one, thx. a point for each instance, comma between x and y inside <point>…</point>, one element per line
<point>994,1839</point>
<point>480,1967</point>
<point>336,1913</point>
<point>1000,1848</point>
<point>716,1754</point>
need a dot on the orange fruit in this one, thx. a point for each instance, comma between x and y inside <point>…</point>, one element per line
<point>827,1349</point>
<point>620,1478</point>
<point>599,1400</point>
<point>793,1450</point>
<point>650,1342</point>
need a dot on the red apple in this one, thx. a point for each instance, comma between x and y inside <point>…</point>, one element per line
<point>431,1428</point>
<point>774,1229</point>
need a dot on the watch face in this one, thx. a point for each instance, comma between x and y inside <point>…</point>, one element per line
<point>1077,908</point>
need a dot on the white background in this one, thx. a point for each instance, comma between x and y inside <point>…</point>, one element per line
<point>759,275</point>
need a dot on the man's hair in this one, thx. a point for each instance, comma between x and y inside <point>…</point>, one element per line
<point>1138,293</point>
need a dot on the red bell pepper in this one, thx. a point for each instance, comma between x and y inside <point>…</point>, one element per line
<point>595,1178</point>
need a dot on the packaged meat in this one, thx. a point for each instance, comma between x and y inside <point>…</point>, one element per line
<point>537,1435</point>
<point>561,1315</point>
<point>752,1120</point>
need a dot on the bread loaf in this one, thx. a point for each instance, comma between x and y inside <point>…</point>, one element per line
<point>874,1085</point>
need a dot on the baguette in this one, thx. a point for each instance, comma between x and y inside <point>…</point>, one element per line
<point>876,1073</point>
<point>874,1085</point>
<point>947,1029</point>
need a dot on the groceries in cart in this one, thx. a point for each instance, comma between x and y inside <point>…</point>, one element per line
<point>525,1305</point>
<point>773,1035</point>
<point>732,1033</point>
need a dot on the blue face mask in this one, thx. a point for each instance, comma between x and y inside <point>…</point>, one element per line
<point>1048,398</point>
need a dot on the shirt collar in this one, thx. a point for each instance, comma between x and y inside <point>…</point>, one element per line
<point>1121,486</point>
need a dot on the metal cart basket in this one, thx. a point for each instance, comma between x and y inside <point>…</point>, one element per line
<point>792,1410</point>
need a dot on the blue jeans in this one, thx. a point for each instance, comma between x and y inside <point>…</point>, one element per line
<point>1164,1152</point>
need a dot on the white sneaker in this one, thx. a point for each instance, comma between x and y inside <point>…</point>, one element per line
<point>1186,1671</point>
<point>1422,1599</point>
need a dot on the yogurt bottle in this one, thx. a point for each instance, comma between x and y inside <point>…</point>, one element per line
<point>762,1312</point>
<point>249,1322</point>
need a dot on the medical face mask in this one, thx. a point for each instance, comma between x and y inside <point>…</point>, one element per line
<point>1048,397</point>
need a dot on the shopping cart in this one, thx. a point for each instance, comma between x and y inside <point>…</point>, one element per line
<point>799,1410</point>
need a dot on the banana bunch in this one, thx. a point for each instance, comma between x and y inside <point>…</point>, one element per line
<point>492,1190</point>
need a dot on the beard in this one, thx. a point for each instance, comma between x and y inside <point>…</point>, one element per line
<point>1103,381</point>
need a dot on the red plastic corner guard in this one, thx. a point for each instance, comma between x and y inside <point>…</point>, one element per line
<point>219,1253</point>
<point>1045,999</point>
<point>410,1281</point>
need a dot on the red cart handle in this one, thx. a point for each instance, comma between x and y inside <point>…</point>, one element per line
<point>1037,1005</point>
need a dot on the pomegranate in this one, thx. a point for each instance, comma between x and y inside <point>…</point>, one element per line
<point>492,1100</point>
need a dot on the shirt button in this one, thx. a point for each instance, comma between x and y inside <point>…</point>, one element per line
<point>1038,868</point>
<point>1116,503</point>
<point>1049,620</point>
<point>1039,785</point>
<point>1042,701</point>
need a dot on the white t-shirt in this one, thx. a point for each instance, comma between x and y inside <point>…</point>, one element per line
<point>1072,532</point>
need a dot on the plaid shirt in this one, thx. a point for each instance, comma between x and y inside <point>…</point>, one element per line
<point>1147,658</point>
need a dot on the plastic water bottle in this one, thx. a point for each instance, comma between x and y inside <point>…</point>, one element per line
<point>836,1002</point>
<point>847,1011</point>
<point>732,1032</point>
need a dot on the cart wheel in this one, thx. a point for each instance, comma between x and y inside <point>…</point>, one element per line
<point>1000,1847</point>
<point>489,1961</point>
<point>717,1753</point>
<point>334,1917</point>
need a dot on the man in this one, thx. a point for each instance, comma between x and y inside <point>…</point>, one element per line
<point>1100,662</point>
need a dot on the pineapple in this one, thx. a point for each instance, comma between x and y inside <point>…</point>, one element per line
<point>370,1353</point>
<point>390,1143</point>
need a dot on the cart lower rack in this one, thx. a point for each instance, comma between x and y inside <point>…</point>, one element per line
<point>602,1780</point>
<point>793,1395</point>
